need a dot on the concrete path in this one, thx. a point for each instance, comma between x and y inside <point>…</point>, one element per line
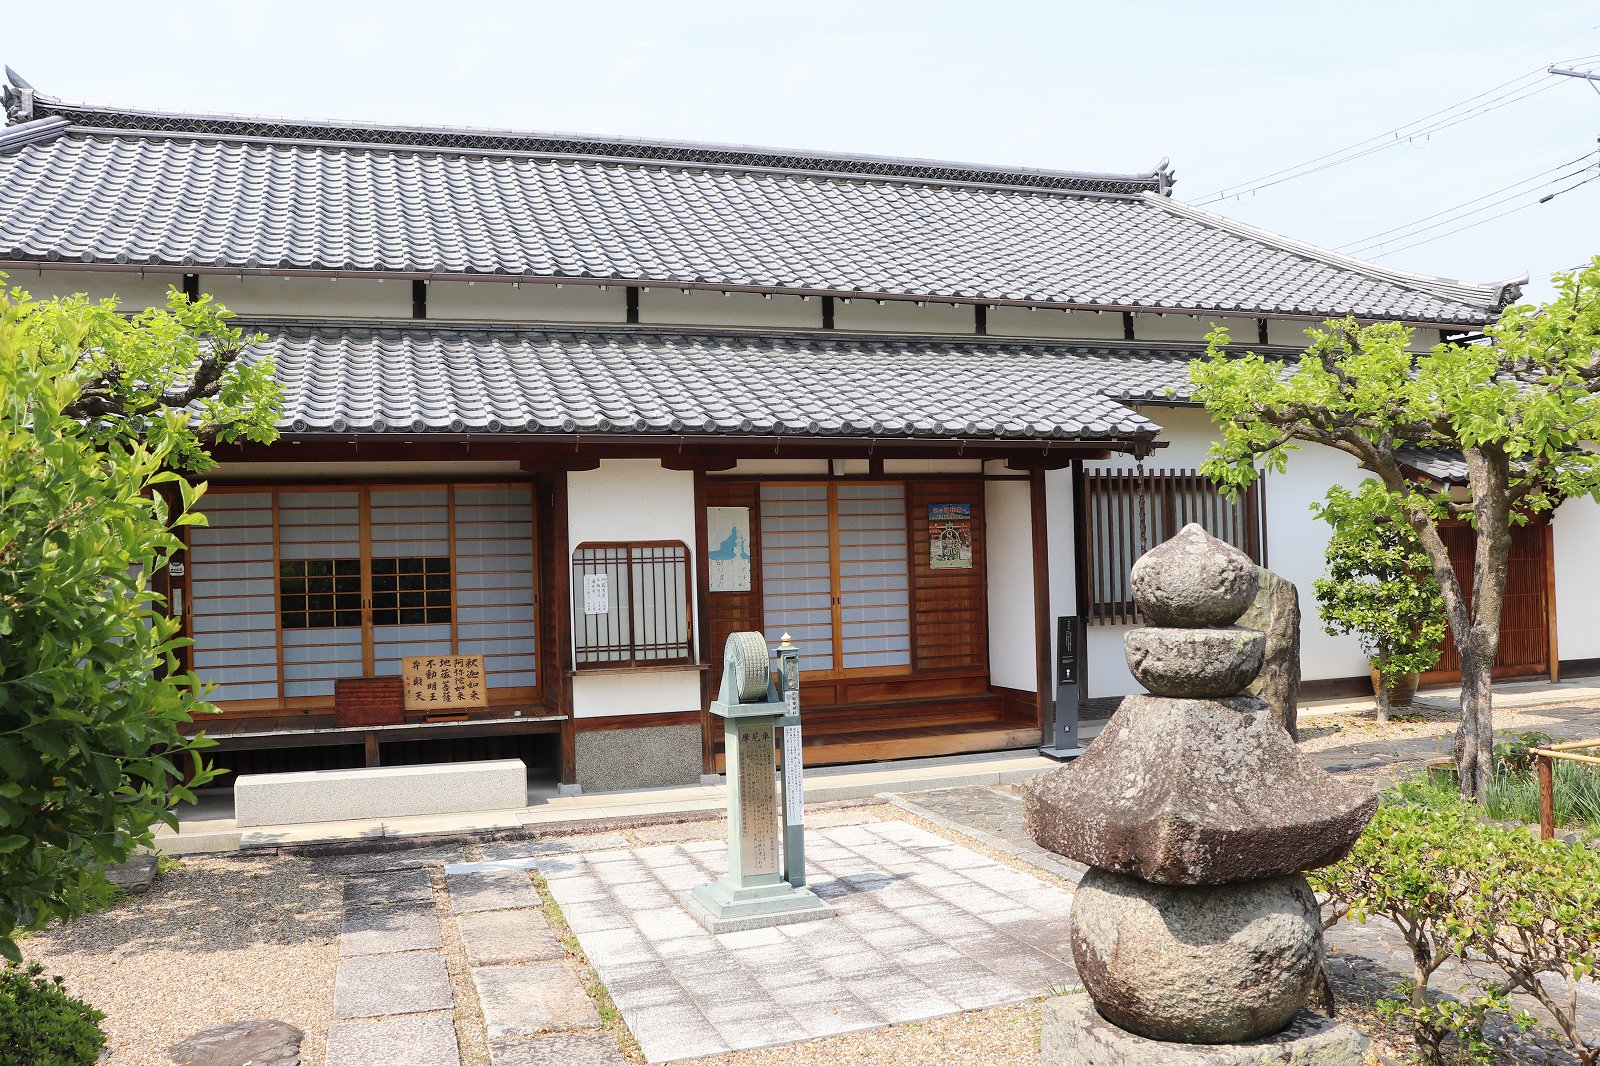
<point>925,927</point>
<point>391,993</point>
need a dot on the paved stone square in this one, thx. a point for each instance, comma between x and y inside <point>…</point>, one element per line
<point>925,927</point>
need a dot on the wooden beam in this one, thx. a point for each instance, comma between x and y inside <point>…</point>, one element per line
<point>551,465</point>
<point>702,463</point>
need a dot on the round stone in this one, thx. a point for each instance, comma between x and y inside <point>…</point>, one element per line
<point>1194,663</point>
<point>1211,964</point>
<point>1193,579</point>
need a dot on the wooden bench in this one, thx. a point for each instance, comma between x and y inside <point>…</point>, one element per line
<point>319,731</point>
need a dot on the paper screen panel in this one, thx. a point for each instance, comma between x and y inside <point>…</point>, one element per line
<point>233,599</point>
<point>874,585</point>
<point>796,570</point>
<point>494,608</point>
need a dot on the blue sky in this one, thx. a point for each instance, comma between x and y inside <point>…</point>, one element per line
<point>1228,91</point>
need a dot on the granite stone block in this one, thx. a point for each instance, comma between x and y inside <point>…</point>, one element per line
<point>540,997</point>
<point>386,929</point>
<point>491,890</point>
<point>371,986</point>
<point>409,1040</point>
<point>493,938</point>
<point>652,757</point>
<point>379,792</point>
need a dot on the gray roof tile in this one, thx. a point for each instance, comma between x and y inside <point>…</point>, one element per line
<point>140,188</point>
<point>343,378</point>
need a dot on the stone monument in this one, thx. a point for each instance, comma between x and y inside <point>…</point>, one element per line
<point>765,883</point>
<point>1195,931</point>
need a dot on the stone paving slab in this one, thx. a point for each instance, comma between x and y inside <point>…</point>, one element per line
<point>494,938</point>
<point>409,1040</point>
<point>386,857</point>
<point>398,886</point>
<point>372,986</point>
<point>557,1049</point>
<point>922,931</point>
<point>491,890</point>
<point>386,929</point>
<point>541,997</point>
<point>544,847</point>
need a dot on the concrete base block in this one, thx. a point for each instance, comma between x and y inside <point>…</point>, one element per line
<point>651,757</point>
<point>1075,1035</point>
<point>569,790</point>
<point>379,792</point>
<point>723,907</point>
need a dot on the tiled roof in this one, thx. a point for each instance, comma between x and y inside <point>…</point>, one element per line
<point>117,187</point>
<point>1442,464</point>
<point>356,378</point>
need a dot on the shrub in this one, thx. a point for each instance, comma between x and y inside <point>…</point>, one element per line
<point>1455,885</point>
<point>40,1025</point>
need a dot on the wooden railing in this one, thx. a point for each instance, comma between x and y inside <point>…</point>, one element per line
<point>1546,758</point>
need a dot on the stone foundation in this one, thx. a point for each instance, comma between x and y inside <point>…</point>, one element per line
<point>652,757</point>
<point>1075,1035</point>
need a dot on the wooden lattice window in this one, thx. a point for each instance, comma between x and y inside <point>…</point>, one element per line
<point>630,604</point>
<point>1171,499</point>
<point>320,593</point>
<point>413,591</point>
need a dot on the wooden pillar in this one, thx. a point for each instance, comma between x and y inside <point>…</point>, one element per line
<point>560,601</point>
<point>704,653</point>
<point>1553,649</point>
<point>1080,576</point>
<point>1044,672</point>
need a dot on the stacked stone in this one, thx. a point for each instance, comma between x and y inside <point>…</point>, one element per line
<point>1198,817</point>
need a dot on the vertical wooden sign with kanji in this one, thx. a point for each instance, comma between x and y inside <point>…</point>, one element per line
<point>436,682</point>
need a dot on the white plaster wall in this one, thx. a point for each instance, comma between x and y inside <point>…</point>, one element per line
<point>650,692</point>
<point>1576,530</point>
<point>498,301</point>
<point>1061,553</point>
<point>1008,533</point>
<point>1047,322</point>
<point>807,467</point>
<point>633,499</point>
<point>935,466</point>
<point>135,291</point>
<point>1152,327</point>
<point>311,297</point>
<point>1295,544</point>
<point>703,307</point>
<point>904,316</point>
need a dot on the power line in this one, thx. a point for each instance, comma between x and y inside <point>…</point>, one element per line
<point>1473,225</point>
<point>1399,232</point>
<point>1391,138</point>
<point>1422,127</point>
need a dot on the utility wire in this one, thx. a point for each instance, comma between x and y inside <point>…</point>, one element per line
<point>1422,127</point>
<point>1473,225</point>
<point>1410,229</point>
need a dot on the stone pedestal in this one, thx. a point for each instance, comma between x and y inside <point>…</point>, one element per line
<point>1075,1035</point>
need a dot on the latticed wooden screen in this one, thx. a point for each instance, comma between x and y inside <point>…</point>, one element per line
<point>1130,513</point>
<point>293,589</point>
<point>630,604</point>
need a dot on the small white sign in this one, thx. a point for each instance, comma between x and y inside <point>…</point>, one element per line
<point>794,778</point>
<point>596,594</point>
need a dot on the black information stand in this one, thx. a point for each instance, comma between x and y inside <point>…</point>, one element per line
<point>1064,736</point>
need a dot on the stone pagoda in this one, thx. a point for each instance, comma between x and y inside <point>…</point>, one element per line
<point>1197,816</point>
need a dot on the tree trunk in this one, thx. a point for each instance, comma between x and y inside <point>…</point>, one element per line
<point>1474,748</point>
<point>1381,691</point>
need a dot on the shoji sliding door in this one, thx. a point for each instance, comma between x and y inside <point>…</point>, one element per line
<point>835,574</point>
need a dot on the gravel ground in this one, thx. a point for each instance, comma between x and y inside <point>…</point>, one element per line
<point>217,940</point>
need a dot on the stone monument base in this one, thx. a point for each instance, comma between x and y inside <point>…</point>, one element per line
<point>724,907</point>
<point>1075,1035</point>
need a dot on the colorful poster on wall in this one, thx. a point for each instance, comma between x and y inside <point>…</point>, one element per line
<point>728,560</point>
<point>950,536</point>
<point>438,681</point>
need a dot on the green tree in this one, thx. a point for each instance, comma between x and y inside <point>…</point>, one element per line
<point>1518,406</point>
<point>99,413</point>
<point>1379,585</point>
